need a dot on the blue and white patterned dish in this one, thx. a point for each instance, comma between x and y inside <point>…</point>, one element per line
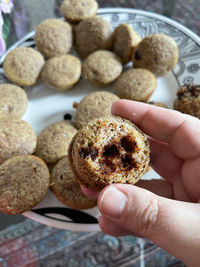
<point>47,106</point>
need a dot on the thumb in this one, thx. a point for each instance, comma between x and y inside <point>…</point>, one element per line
<point>173,225</point>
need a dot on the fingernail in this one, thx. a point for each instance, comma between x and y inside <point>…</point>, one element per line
<point>112,202</point>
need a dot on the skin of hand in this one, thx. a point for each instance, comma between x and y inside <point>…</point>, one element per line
<point>166,211</point>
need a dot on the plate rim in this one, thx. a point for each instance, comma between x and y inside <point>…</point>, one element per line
<point>168,20</point>
<point>192,35</point>
<point>77,227</point>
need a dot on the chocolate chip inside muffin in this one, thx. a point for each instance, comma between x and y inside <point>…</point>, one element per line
<point>108,150</point>
<point>188,100</point>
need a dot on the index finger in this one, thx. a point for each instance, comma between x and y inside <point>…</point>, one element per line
<point>180,131</point>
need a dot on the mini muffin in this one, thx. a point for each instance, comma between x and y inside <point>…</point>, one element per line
<point>62,72</point>
<point>101,68</point>
<point>158,104</point>
<point>188,100</point>
<point>24,181</point>
<point>158,53</point>
<point>148,169</point>
<point>108,150</point>
<point>53,37</point>
<point>92,34</point>
<point>53,141</point>
<point>78,10</point>
<point>125,40</point>
<point>135,84</point>
<point>94,105</point>
<point>13,101</point>
<point>66,188</point>
<point>16,138</point>
<point>23,65</point>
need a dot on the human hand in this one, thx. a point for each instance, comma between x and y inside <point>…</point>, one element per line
<point>165,211</point>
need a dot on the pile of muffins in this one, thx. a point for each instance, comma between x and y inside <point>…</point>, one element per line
<point>96,149</point>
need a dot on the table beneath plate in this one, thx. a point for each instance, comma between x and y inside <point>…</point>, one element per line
<point>28,243</point>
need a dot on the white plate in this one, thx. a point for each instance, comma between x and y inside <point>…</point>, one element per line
<point>47,106</point>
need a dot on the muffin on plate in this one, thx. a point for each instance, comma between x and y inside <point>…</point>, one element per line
<point>108,150</point>
<point>135,84</point>
<point>53,141</point>
<point>188,100</point>
<point>92,34</point>
<point>16,138</point>
<point>157,52</point>
<point>66,188</point>
<point>13,101</point>
<point>54,37</point>
<point>101,68</point>
<point>125,40</point>
<point>23,65</point>
<point>24,182</point>
<point>62,72</point>
<point>94,105</point>
<point>78,10</point>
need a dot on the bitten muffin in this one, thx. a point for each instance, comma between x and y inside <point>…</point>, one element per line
<point>101,68</point>
<point>23,65</point>
<point>92,34</point>
<point>158,104</point>
<point>66,188</point>
<point>53,37</point>
<point>24,181</point>
<point>78,10</point>
<point>108,150</point>
<point>188,100</point>
<point>125,40</point>
<point>13,101</point>
<point>62,72</point>
<point>158,53</point>
<point>135,84</point>
<point>53,141</point>
<point>94,105</point>
<point>16,138</point>
<point>148,169</point>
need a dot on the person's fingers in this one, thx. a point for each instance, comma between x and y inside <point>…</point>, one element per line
<point>159,187</point>
<point>181,131</point>
<point>89,193</point>
<point>169,166</point>
<point>165,189</point>
<point>111,228</point>
<point>172,224</point>
<point>164,161</point>
<point>191,178</point>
